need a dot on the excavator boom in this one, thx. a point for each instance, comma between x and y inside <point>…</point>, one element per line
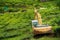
<point>38,17</point>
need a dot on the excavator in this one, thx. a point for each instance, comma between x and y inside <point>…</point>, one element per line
<point>38,27</point>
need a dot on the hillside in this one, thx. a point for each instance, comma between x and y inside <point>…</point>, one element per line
<point>15,21</point>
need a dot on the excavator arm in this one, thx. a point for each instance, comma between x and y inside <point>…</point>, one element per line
<point>38,17</point>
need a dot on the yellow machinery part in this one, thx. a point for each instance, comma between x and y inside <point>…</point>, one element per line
<point>38,17</point>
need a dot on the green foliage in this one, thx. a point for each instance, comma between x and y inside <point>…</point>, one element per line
<point>58,3</point>
<point>15,23</point>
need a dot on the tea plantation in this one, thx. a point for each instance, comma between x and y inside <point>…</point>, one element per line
<point>16,17</point>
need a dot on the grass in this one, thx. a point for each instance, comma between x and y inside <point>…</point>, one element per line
<point>18,26</point>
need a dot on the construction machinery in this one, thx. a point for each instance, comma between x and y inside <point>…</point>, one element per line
<point>38,27</point>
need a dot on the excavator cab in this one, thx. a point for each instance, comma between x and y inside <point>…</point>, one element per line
<point>38,27</point>
<point>34,23</point>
